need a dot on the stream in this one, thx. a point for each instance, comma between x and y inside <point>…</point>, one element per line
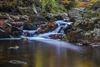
<point>41,51</point>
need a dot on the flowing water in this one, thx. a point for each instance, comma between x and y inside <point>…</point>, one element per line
<point>43,52</point>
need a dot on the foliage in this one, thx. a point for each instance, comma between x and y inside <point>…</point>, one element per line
<point>52,6</point>
<point>84,4</point>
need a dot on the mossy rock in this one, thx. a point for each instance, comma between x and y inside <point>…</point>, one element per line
<point>8,3</point>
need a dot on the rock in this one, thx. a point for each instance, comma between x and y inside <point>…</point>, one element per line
<point>28,26</point>
<point>59,17</point>
<point>3,34</point>
<point>57,36</point>
<point>97,31</point>
<point>50,26</point>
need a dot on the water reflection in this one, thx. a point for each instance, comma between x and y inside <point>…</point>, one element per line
<point>47,53</point>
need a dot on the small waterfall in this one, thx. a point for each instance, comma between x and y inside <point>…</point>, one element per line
<point>57,30</point>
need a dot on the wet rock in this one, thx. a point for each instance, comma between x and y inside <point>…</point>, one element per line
<point>4,35</point>
<point>28,26</point>
<point>57,36</point>
<point>15,31</point>
<point>59,17</point>
<point>13,24</point>
<point>17,62</point>
<point>50,26</point>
